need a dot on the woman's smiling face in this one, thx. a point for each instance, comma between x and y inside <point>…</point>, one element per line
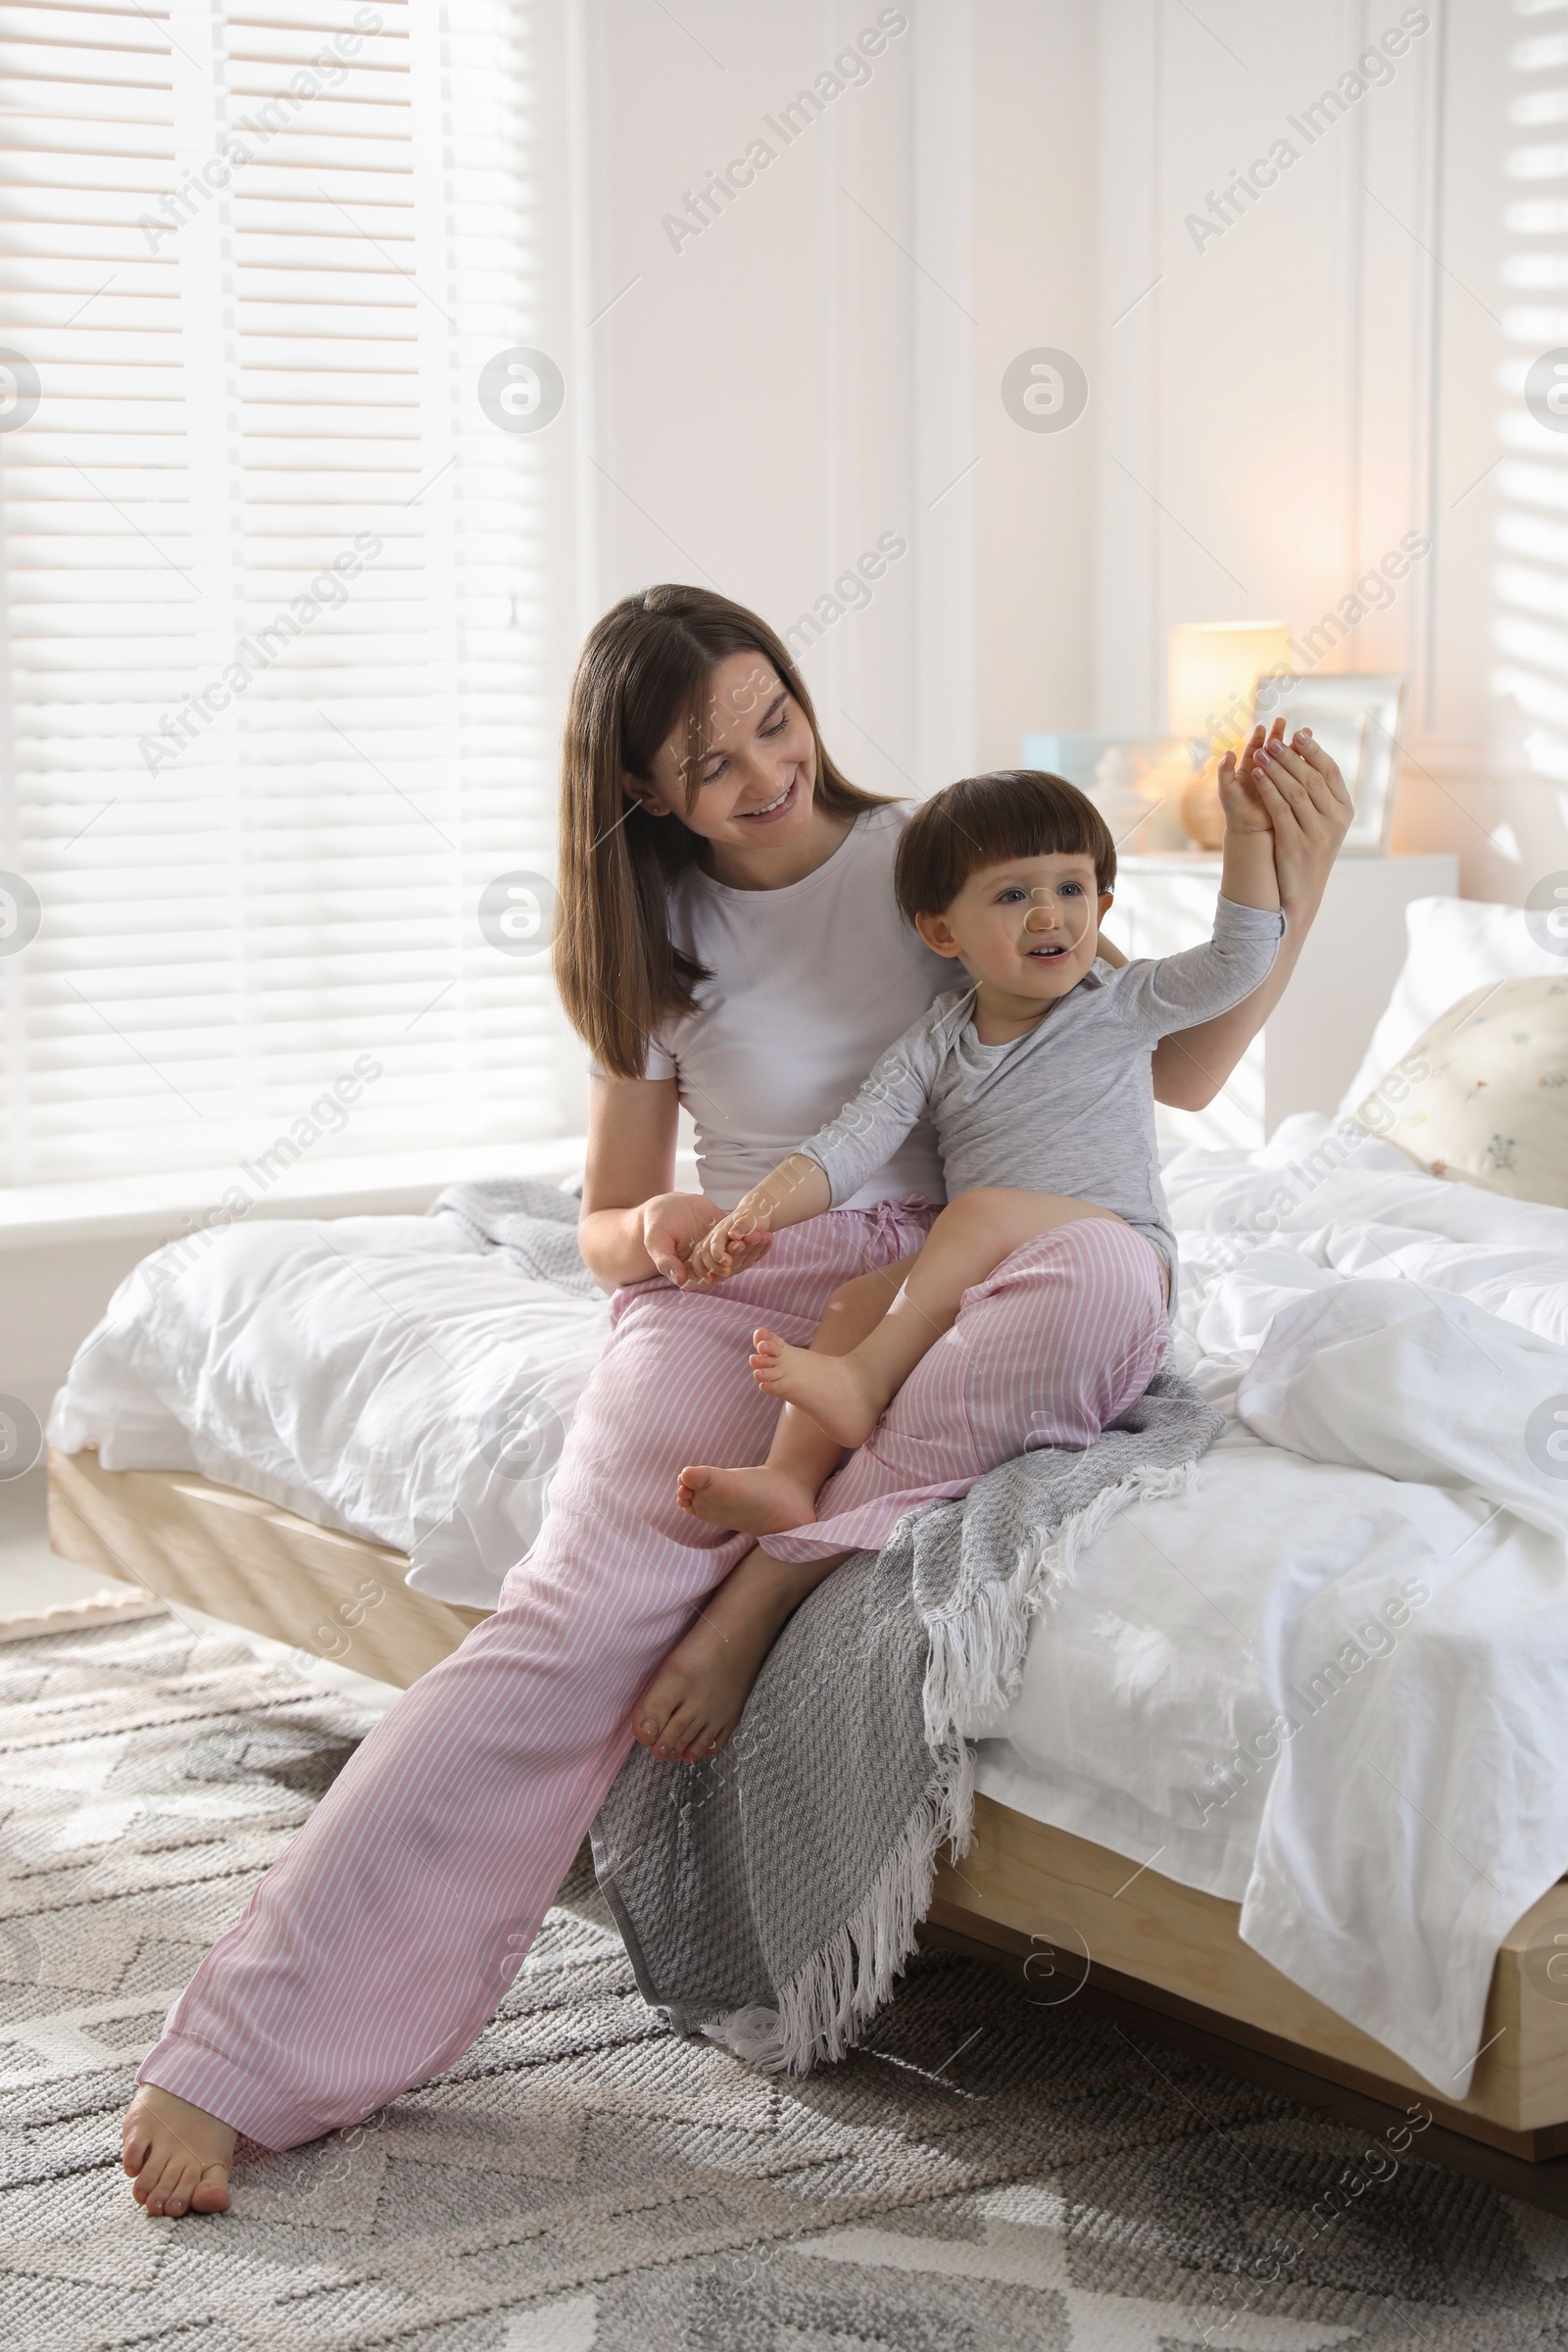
<point>752,784</point>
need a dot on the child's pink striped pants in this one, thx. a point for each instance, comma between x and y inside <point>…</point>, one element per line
<point>375,1950</point>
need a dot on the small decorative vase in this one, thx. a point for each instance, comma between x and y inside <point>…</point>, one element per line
<point>1201,812</point>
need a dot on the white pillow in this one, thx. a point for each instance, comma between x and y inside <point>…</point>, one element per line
<point>1454,946</point>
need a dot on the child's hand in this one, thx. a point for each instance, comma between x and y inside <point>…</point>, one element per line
<point>1246,809</point>
<point>710,1258</point>
<point>735,1242</point>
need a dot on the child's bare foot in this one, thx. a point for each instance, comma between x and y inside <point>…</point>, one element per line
<point>831,1389</point>
<point>694,1701</point>
<point>763,1501</point>
<point>178,2155</point>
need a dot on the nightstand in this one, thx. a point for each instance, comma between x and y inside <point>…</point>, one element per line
<point>1313,1041</point>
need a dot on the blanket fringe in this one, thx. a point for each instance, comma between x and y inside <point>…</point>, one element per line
<point>823,2008</point>
<point>978,1641</point>
<point>976,1661</point>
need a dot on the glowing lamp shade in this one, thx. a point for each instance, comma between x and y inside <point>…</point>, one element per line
<point>1213,672</point>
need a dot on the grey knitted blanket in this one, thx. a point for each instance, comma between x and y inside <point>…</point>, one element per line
<point>769,1896</point>
<point>534,1223</point>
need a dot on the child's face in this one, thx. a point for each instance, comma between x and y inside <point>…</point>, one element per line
<point>1029,927</point>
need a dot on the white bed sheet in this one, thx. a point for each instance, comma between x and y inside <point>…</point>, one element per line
<point>1379,1340</point>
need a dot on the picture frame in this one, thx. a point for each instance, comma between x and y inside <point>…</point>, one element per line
<point>1358,718</point>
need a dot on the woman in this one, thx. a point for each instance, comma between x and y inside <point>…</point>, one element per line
<point>722,884</point>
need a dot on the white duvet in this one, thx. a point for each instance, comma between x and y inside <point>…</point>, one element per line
<point>1329,1684</point>
<point>1332,1683</point>
<point>386,1375</point>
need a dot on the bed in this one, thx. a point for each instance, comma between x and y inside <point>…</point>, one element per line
<point>1338,1911</point>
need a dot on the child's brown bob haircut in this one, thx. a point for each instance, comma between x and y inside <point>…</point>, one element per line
<point>986,820</point>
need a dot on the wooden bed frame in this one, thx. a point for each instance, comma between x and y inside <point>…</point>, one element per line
<point>1070,1920</point>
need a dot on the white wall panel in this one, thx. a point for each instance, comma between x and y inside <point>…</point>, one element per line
<point>1342,364</point>
<point>754,386</point>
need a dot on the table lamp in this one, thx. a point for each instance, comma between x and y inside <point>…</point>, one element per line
<point>1212,676</point>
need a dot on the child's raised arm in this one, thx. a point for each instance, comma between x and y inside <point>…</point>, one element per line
<point>1247,877</point>
<point>1176,992</point>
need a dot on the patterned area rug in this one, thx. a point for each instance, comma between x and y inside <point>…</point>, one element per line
<point>985,2172</point>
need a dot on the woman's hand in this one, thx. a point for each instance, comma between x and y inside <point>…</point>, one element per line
<point>672,1227</point>
<point>1303,793</point>
<point>681,1234</point>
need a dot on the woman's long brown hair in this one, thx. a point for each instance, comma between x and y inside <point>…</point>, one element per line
<point>641,680</point>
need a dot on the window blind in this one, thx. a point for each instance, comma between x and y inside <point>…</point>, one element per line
<point>1530,631</point>
<point>276,685</point>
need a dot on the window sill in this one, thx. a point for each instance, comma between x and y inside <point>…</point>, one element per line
<point>157,1207</point>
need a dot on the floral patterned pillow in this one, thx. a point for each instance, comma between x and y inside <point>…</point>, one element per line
<point>1482,1097</point>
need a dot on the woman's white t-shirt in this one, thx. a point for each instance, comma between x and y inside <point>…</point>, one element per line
<point>810,984</point>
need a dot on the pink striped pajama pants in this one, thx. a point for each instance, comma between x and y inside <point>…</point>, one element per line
<point>377,1947</point>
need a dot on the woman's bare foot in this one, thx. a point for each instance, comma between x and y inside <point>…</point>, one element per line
<point>694,1701</point>
<point>763,1501</point>
<point>178,2155</point>
<point>833,1390</point>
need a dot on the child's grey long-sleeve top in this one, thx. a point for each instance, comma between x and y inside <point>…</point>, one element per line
<point>1070,1107</point>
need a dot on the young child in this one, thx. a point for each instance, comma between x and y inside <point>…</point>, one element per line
<point>1037,1079</point>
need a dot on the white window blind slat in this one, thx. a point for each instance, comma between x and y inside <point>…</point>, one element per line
<point>259,454</point>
